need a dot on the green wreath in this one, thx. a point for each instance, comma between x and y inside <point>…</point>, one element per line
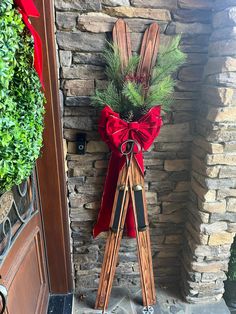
<point>21,100</point>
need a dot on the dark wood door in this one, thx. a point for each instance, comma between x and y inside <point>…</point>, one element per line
<point>23,263</point>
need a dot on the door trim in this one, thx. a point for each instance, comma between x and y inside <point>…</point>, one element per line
<point>50,167</point>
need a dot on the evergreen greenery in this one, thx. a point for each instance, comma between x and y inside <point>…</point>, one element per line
<point>21,100</point>
<point>126,93</point>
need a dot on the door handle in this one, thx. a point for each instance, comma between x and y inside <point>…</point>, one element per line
<point>3,294</point>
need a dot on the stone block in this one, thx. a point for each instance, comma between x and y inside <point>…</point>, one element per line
<point>196,4</point>
<point>81,123</point>
<point>101,164</point>
<point>174,239</point>
<point>232,227</point>
<point>114,3</point>
<point>193,58</point>
<point>219,96</point>
<point>151,198</point>
<point>175,133</point>
<point>101,22</point>
<point>131,12</point>
<point>213,252</point>
<point>190,74</point>
<point>212,148</point>
<point>222,48</point>
<point>78,5</point>
<point>83,72</point>
<point>95,58</point>
<point>231,205</point>
<point>221,159</point>
<point>188,28</point>
<point>216,184</point>
<point>230,147</point>
<point>191,16</point>
<point>81,41</point>
<point>227,172</point>
<point>227,79</point>
<point>65,58</point>
<point>220,64</point>
<point>182,186</point>
<point>222,114</point>
<point>223,193</point>
<point>185,95</point>
<point>96,22</point>
<point>211,267</point>
<point>221,238</point>
<point>155,175</point>
<point>203,193</point>
<point>176,165</point>
<point>225,18</point>
<point>173,147</point>
<point>187,86</point>
<point>97,147</point>
<point>214,227</point>
<point>162,186</point>
<point>66,20</point>
<point>168,4</point>
<point>72,147</point>
<point>228,216</point>
<point>213,207</point>
<point>79,87</point>
<point>170,207</point>
<point>223,33</point>
<point>77,101</point>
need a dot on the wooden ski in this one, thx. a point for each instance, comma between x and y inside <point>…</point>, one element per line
<point>130,185</point>
<point>139,204</point>
<point>121,38</point>
<point>119,212</point>
<point>148,52</point>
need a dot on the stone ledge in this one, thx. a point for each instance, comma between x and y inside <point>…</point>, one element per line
<point>154,14</point>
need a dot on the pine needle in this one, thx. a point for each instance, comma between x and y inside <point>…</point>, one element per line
<point>134,93</point>
<point>110,97</point>
<point>169,60</point>
<point>161,93</point>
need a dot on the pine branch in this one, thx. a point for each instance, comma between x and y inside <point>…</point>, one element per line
<point>113,69</point>
<point>134,93</point>
<point>110,97</point>
<point>169,60</point>
<point>161,93</point>
<point>132,65</point>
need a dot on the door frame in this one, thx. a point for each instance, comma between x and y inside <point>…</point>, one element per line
<point>50,166</point>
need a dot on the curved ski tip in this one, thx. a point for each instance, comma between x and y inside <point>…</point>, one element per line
<point>154,27</point>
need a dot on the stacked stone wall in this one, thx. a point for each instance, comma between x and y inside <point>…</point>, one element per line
<point>211,226</point>
<point>82,28</point>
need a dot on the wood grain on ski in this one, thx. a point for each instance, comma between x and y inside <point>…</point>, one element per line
<point>121,37</point>
<point>143,242</point>
<point>148,52</point>
<point>112,249</point>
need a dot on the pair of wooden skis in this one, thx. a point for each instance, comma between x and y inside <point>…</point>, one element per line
<point>130,185</point>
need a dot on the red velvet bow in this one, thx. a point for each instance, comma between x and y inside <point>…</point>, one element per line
<point>26,9</point>
<point>114,131</point>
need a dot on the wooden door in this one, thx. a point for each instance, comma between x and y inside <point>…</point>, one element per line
<point>22,256</point>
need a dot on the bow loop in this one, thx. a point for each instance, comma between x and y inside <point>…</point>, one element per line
<point>115,131</point>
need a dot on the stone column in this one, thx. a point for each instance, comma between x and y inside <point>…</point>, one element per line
<point>211,226</point>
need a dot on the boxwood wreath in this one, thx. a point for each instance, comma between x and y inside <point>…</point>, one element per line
<point>125,92</point>
<point>21,100</point>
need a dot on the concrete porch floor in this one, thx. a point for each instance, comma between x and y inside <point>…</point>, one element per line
<point>124,301</point>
